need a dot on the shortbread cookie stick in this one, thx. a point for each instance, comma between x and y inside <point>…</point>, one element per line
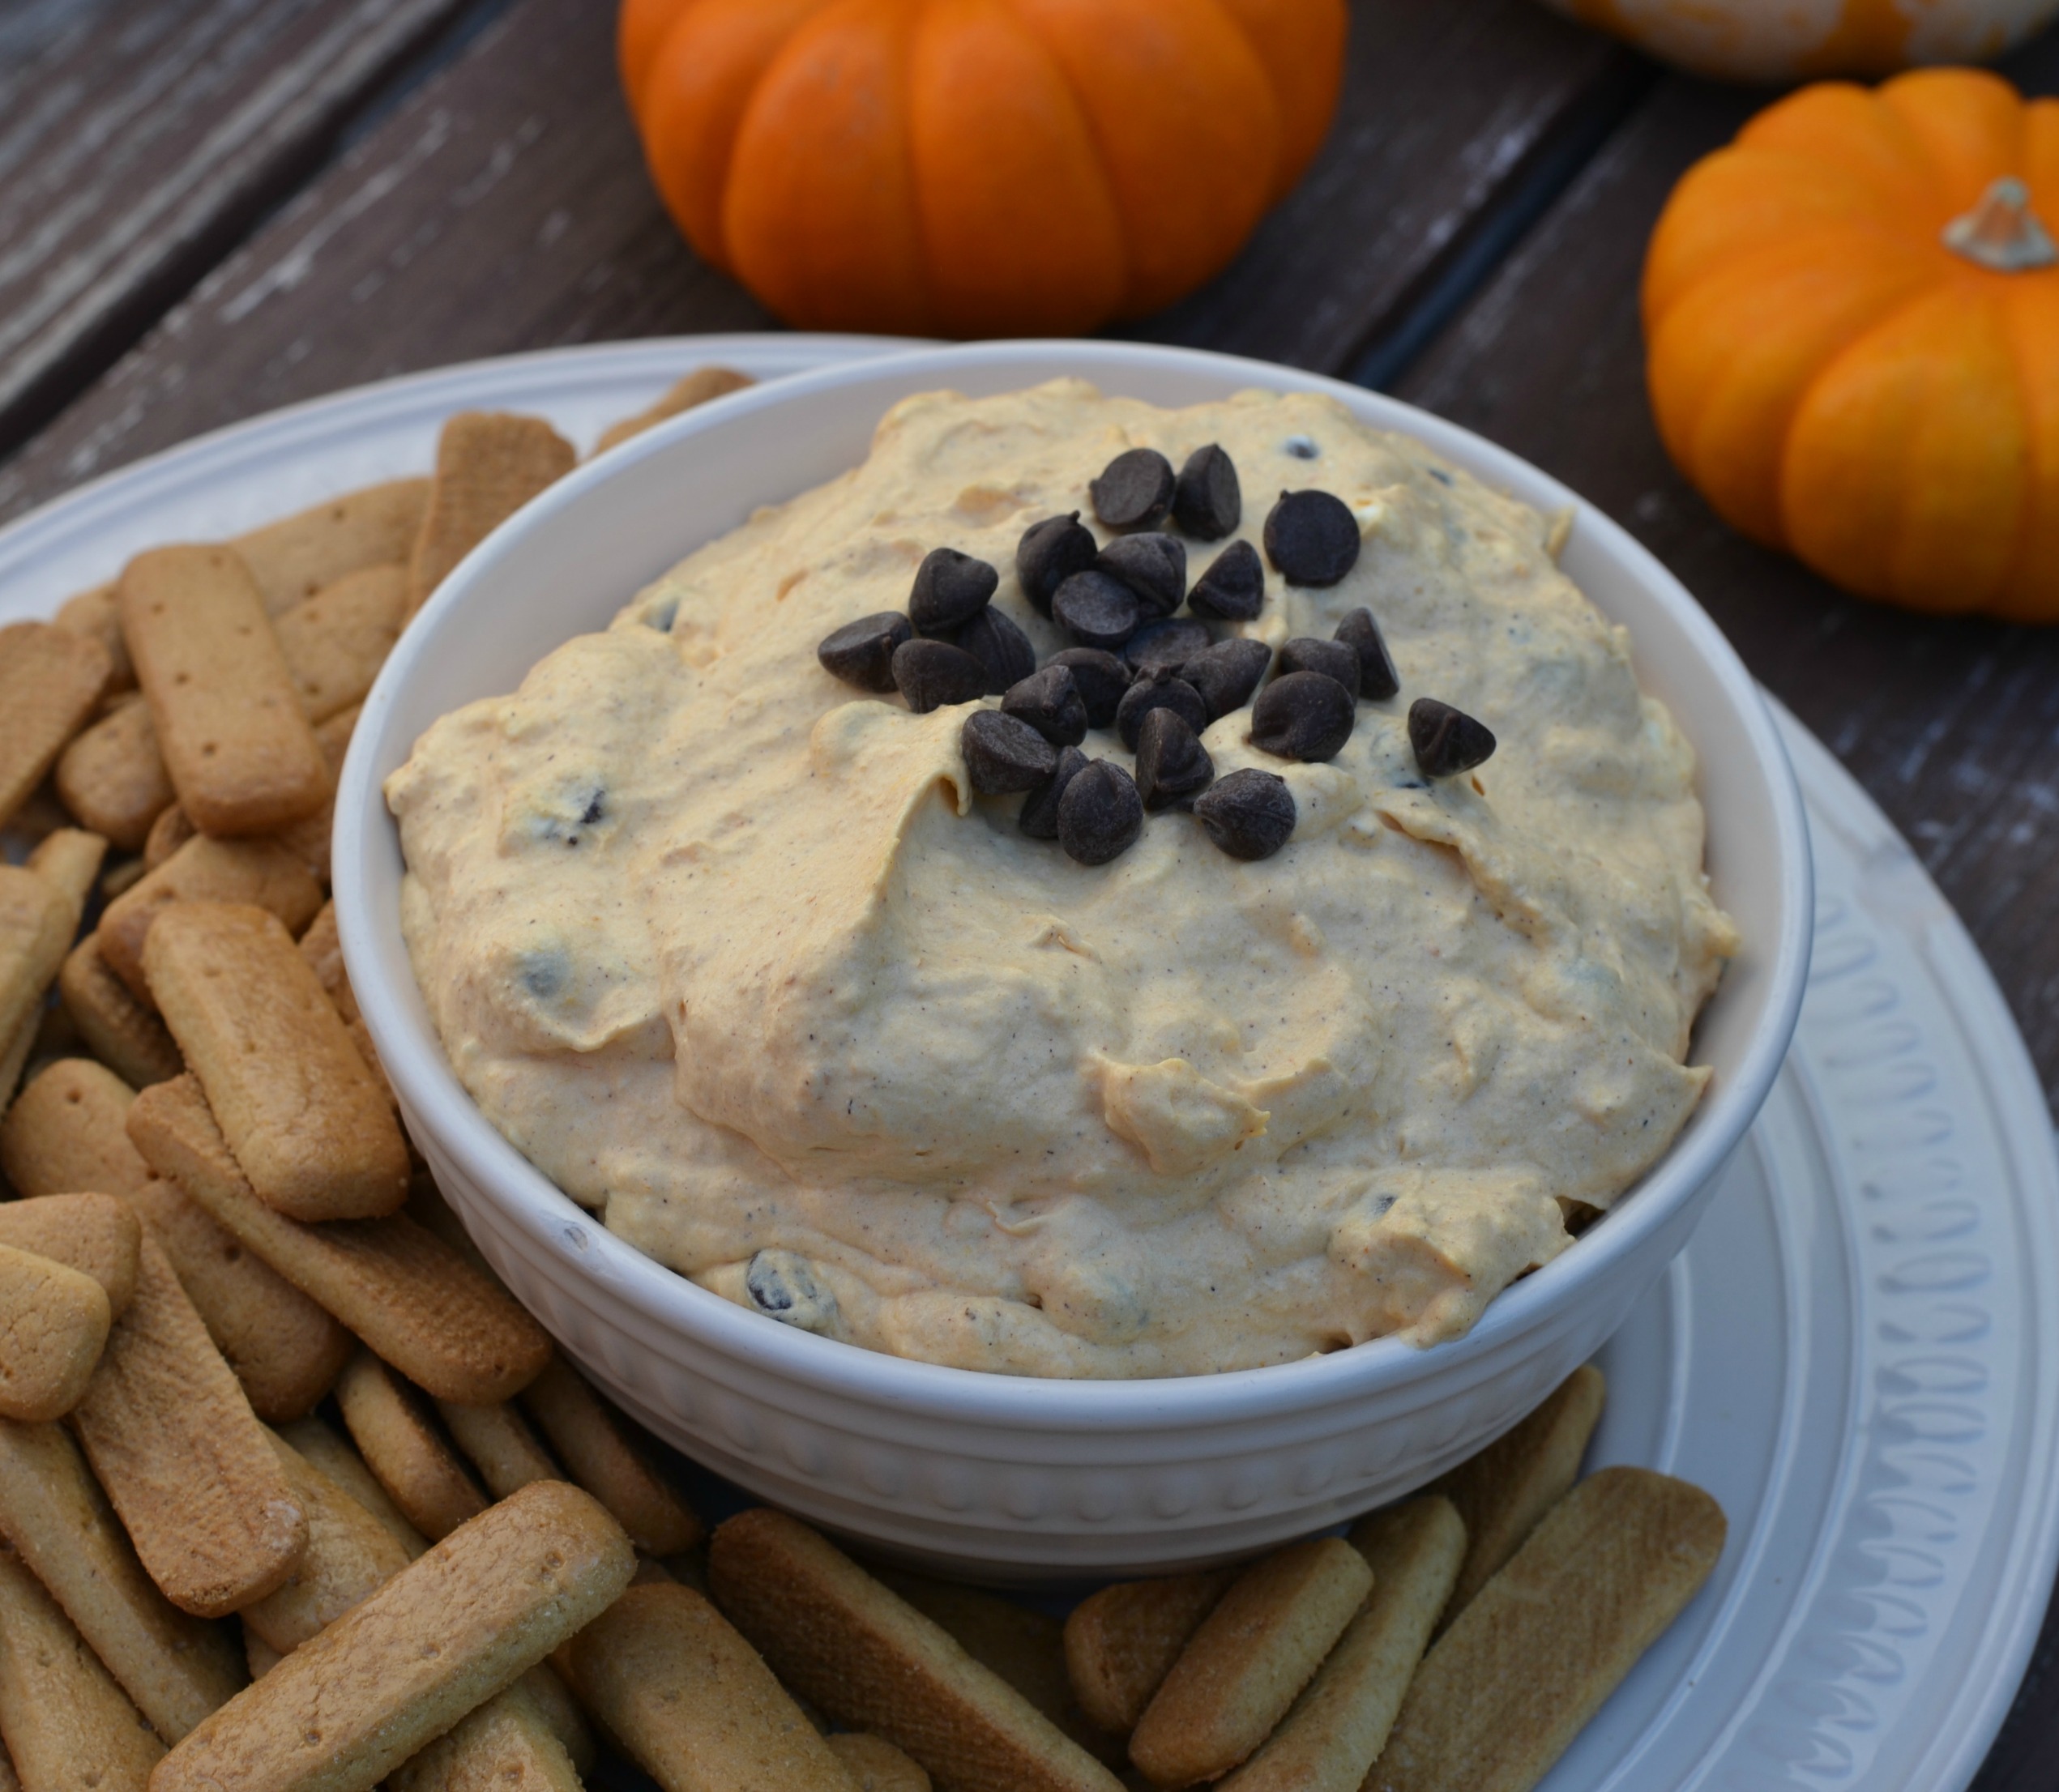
<point>36,924</point>
<point>112,777</point>
<point>1251,1657</point>
<point>54,1327</point>
<point>176,1668</point>
<point>323,951</point>
<point>170,831</point>
<point>1338,1727</point>
<point>844,1642</point>
<point>507,1745</point>
<point>875,1765</point>
<point>50,678</point>
<point>593,1444</point>
<point>239,752</point>
<point>1548,1638</point>
<point>69,859</point>
<point>684,394</point>
<point>335,1458</point>
<point>184,1460</point>
<point>69,1131</point>
<point>1504,1491</point>
<point>302,554</point>
<point>98,1235</point>
<point>438,1640</point>
<point>418,1470</point>
<point>488,464</point>
<point>1121,1642</point>
<point>261,1656</point>
<point>499,1445</point>
<point>96,613</point>
<point>692,1702</point>
<point>1027,1649</point>
<point>336,641</point>
<point>348,1556</point>
<point>115,1026</point>
<point>260,873</point>
<point>412,1300</point>
<point>66,1723</point>
<point>299,1109</point>
<point>308,838</point>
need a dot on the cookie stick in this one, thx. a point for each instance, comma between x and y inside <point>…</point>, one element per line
<point>349,1555</point>
<point>170,831</point>
<point>99,1235</point>
<point>176,1668</point>
<point>402,1449</point>
<point>507,1745</point>
<point>262,872</point>
<point>1338,1727</point>
<point>116,1028</point>
<point>68,1130</point>
<point>594,1445</point>
<point>37,924</point>
<point>184,1461</point>
<point>336,641</point>
<point>306,1120</point>
<point>692,1701</point>
<point>335,1458</point>
<point>500,1445</point>
<point>488,464</point>
<point>875,1765</point>
<point>1502,1491</point>
<point>308,838</point>
<point>60,1709</point>
<point>53,1328</point>
<point>1250,1658</point>
<point>415,1302</point>
<point>300,555</point>
<point>50,678</point>
<point>1541,1646</point>
<point>112,777</point>
<point>94,613</point>
<point>438,1639</point>
<point>1121,1642</point>
<point>68,859</point>
<point>683,394</point>
<point>843,1641</point>
<point>239,752</point>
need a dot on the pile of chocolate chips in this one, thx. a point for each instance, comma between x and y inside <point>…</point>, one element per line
<point>1156,677</point>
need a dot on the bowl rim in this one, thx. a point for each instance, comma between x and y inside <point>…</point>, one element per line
<point>551,1222</point>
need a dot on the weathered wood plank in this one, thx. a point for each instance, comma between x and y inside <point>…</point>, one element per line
<point>1952,726</point>
<point>504,206</point>
<point>139,138</point>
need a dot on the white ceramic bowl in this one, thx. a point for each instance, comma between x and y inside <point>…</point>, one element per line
<point>1007,1478</point>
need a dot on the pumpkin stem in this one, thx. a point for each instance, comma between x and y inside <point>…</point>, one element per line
<point>2001,232</point>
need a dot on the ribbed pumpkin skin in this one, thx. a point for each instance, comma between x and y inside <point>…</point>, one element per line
<point>977,167</point>
<point>1836,381</point>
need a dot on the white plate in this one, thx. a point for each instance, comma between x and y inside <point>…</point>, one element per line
<point>1855,1353</point>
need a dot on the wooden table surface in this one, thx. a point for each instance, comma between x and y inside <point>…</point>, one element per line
<point>211,207</point>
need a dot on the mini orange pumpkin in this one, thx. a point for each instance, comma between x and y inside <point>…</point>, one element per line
<point>977,167</point>
<point>1852,317</point>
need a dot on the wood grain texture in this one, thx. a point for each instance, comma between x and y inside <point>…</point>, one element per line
<point>140,138</point>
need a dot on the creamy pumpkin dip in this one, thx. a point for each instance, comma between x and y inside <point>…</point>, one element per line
<point>735,955</point>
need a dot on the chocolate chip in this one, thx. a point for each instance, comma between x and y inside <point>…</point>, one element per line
<point>1447,741</point>
<point>1102,679</point>
<point>1166,644</point>
<point>1135,489</point>
<point>933,674</point>
<point>1049,553</point>
<point>1249,814</point>
<point>1332,658</point>
<point>861,653</point>
<point>1208,501</point>
<point>951,588</point>
<point>1312,538</point>
<point>1100,814</point>
<point>1096,609</point>
<point>1171,763</point>
<point>1376,676</point>
<point>1151,565</point>
<point>1040,814</point>
<point>1005,754</point>
<point>1302,716</point>
<point>993,639</point>
<point>1227,674</point>
<point>1162,690</point>
<point>1049,701</point>
<point>1234,587</point>
<point>1301,447</point>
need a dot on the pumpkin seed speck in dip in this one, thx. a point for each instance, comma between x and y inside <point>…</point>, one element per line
<point>732,951</point>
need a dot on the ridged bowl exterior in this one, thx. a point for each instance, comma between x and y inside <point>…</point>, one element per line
<point>1012,1478</point>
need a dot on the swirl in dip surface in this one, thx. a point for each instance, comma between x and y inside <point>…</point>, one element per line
<point>732,953</point>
